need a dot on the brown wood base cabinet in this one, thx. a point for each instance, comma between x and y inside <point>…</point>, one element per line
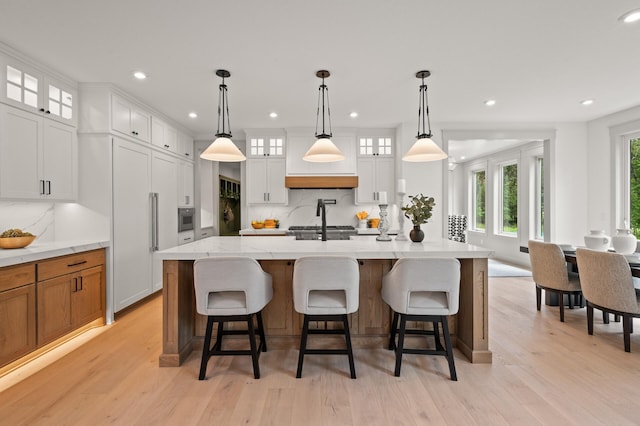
<point>17,312</point>
<point>45,300</point>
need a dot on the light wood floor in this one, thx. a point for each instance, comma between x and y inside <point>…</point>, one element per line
<point>544,372</point>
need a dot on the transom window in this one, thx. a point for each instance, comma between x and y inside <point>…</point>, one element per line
<point>22,87</point>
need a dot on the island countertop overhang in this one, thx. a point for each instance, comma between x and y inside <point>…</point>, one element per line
<point>287,248</point>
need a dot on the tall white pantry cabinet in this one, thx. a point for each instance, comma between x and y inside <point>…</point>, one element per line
<point>142,178</point>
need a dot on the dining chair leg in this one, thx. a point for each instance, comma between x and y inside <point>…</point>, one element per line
<point>626,329</point>
<point>538,297</point>
<point>561,303</point>
<point>605,317</point>
<point>589,319</point>
<point>570,300</point>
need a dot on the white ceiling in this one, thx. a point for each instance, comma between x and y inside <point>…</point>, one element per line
<point>538,59</point>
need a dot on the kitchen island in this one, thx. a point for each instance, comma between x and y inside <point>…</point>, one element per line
<point>183,327</point>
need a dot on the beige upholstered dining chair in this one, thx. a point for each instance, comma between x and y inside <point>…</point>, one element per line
<point>607,285</point>
<point>549,269</point>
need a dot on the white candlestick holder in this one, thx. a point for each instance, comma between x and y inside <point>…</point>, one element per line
<point>383,226</point>
<point>401,236</point>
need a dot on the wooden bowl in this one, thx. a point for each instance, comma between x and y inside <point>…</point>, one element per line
<point>16,242</point>
<point>257,225</point>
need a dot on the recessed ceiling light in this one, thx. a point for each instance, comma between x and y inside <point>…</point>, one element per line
<point>586,102</point>
<point>193,115</point>
<point>462,157</point>
<point>273,114</point>
<point>353,114</point>
<point>631,16</point>
<point>139,75</point>
<point>490,102</point>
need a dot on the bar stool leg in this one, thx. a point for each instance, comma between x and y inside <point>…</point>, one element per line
<point>218,344</point>
<point>303,345</point>
<point>263,340</point>
<point>436,336</point>
<point>254,348</point>
<point>403,326</point>
<point>447,342</point>
<point>347,337</point>
<point>394,330</point>
<point>206,351</point>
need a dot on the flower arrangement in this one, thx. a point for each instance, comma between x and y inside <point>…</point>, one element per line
<point>419,209</point>
<point>362,215</point>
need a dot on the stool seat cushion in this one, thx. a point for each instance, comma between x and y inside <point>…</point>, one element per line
<point>428,303</point>
<point>327,302</point>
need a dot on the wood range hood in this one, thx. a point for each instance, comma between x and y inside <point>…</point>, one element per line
<point>321,182</point>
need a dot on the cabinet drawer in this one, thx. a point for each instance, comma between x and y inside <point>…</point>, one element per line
<point>67,264</point>
<point>17,276</point>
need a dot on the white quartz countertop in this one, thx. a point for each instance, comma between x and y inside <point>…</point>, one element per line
<point>264,248</point>
<point>38,251</point>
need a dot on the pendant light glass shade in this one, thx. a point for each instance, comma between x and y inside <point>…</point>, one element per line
<point>222,148</point>
<point>424,149</point>
<point>323,150</point>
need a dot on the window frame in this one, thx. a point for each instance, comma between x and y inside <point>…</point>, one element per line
<point>499,201</point>
<point>473,212</point>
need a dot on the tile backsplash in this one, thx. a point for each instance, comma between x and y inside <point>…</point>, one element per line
<point>301,209</point>
<point>34,217</point>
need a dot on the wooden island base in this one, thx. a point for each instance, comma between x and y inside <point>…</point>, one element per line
<point>183,328</point>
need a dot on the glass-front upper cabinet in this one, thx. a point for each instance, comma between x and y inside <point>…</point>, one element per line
<point>265,143</point>
<point>30,89</point>
<point>378,146</point>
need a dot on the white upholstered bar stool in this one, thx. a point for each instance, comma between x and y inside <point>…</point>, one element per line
<point>422,290</point>
<point>231,289</point>
<point>326,288</point>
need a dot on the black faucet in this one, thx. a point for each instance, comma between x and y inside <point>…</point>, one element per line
<point>320,209</point>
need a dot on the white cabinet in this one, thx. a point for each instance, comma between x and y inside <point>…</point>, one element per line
<point>265,181</point>
<point>126,118</point>
<point>139,172</point>
<point>132,252</point>
<point>185,184</point>
<point>32,90</point>
<point>38,157</point>
<point>185,145</point>
<point>375,175</point>
<point>186,237</point>
<point>376,168</point>
<point>164,136</point>
<point>265,144</point>
<point>298,144</point>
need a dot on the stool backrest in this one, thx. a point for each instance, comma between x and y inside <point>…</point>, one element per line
<point>425,274</point>
<point>237,273</point>
<point>326,273</point>
<point>606,280</point>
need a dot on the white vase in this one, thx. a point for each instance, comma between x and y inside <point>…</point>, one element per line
<point>624,242</point>
<point>362,223</point>
<point>597,240</point>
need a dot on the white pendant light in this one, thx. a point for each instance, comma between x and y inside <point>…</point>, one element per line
<point>223,149</point>
<point>323,150</point>
<point>424,149</point>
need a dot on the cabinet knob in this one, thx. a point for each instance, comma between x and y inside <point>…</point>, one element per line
<point>166,146</point>
<point>48,112</point>
<point>186,153</point>
<point>41,109</point>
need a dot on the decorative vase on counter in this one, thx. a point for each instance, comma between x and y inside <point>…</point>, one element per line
<point>624,242</point>
<point>416,234</point>
<point>362,223</point>
<point>597,240</point>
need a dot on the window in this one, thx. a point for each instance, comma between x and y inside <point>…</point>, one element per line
<point>478,213</point>
<point>634,184</point>
<point>509,198</point>
<point>539,204</point>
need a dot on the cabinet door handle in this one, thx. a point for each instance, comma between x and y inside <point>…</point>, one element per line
<point>48,187</point>
<point>186,199</point>
<point>75,285</point>
<point>41,187</point>
<point>82,262</point>
<point>81,284</point>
